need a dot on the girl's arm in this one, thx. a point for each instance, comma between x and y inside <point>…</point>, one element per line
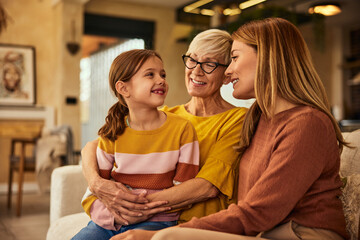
<point>115,196</point>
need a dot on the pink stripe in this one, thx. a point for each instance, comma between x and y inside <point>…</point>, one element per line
<point>189,153</point>
<point>101,215</point>
<point>152,163</point>
<point>105,160</point>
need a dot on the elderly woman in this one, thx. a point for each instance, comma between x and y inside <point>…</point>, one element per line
<point>217,124</point>
<point>289,147</point>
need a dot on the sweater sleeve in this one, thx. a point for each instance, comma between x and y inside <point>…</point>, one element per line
<point>105,157</point>
<point>102,216</point>
<point>188,163</point>
<point>221,163</point>
<point>293,168</point>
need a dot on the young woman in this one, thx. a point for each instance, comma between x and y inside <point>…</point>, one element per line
<point>290,146</point>
<point>152,150</point>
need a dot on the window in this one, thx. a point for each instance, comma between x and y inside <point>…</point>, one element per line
<point>95,94</point>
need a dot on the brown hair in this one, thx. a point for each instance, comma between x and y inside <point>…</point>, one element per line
<point>285,69</point>
<point>123,68</point>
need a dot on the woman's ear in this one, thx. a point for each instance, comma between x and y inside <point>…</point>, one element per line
<point>121,88</point>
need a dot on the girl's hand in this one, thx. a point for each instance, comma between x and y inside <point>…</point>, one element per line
<point>134,235</point>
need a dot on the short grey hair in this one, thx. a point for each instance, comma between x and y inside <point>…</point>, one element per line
<point>214,42</point>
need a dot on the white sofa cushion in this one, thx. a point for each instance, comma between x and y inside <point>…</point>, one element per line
<point>66,227</point>
<point>68,185</point>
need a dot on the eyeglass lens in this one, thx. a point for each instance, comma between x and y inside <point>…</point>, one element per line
<point>207,67</point>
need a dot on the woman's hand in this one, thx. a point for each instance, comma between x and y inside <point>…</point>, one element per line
<point>134,235</point>
<point>126,207</point>
<point>143,215</point>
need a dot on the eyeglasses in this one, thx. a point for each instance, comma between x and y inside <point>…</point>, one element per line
<point>207,67</point>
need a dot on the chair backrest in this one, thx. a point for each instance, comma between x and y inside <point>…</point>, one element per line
<point>66,132</point>
<point>350,171</point>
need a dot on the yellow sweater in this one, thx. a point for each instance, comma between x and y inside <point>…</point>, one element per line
<point>217,135</point>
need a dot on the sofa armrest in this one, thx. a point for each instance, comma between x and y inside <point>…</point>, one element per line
<point>350,157</point>
<point>68,186</point>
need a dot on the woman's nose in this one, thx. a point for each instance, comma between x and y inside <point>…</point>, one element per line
<point>228,70</point>
<point>228,73</point>
<point>198,70</point>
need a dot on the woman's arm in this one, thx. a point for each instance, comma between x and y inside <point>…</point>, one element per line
<point>191,191</point>
<point>115,196</point>
<point>301,176</point>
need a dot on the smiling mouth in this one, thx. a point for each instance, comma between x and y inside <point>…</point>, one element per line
<point>235,81</point>
<point>197,82</point>
<point>158,91</point>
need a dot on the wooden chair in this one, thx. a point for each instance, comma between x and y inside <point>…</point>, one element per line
<point>20,163</point>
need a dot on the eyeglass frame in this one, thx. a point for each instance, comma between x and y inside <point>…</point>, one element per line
<point>201,63</point>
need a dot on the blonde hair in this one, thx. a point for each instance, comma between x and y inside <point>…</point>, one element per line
<point>213,41</point>
<point>123,68</point>
<point>285,69</point>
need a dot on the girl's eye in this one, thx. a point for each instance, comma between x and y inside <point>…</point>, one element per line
<point>163,75</point>
<point>233,58</point>
<point>149,74</point>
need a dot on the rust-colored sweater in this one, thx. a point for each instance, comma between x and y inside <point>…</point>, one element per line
<point>289,172</point>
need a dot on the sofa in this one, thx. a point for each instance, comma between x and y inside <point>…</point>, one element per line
<point>68,186</point>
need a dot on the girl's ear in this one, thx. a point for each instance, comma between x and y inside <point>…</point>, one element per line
<point>122,89</point>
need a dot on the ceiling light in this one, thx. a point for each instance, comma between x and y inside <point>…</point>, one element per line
<point>207,12</point>
<point>250,3</point>
<point>231,11</point>
<point>197,4</point>
<point>327,9</point>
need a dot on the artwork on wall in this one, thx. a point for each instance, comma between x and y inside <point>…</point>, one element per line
<point>17,75</point>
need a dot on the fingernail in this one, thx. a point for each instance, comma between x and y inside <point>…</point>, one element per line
<point>126,223</point>
<point>140,214</point>
<point>169,208</point>
<point>146,208</point>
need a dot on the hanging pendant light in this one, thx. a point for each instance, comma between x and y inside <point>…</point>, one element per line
<point>327,9</point>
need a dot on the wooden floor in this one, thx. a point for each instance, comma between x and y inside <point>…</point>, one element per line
<point>34,221</point>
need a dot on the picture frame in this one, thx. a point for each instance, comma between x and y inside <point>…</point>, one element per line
<point>17,75</point>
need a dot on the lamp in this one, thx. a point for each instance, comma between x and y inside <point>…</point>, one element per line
<point>327,9</point>
<point>73,47</point>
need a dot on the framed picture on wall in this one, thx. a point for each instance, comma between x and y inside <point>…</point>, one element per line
<point>17,75</point>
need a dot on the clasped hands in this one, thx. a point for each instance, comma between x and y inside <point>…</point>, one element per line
<point>126,207</point>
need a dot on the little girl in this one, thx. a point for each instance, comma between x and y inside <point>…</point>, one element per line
<point>139,145</point>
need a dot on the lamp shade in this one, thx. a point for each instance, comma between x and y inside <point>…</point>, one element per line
<point>327,9</point>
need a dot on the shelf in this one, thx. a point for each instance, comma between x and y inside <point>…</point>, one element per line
<point>352,64</point>
<point>352,83</point>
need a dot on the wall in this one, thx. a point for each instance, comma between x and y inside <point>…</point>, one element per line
<point>32,23</point>
<point>45,24</point>
<point>328,62</point>
<point>41,37</point>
